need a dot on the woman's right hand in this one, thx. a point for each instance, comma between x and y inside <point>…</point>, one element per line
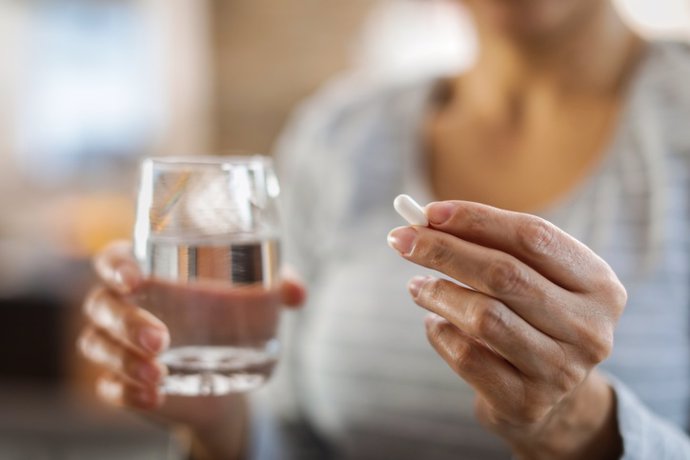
<point>123,340</point>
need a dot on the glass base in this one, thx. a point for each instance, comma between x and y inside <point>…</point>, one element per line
<point>214,370</point>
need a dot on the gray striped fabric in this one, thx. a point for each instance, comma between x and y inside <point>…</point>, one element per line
<point>358,366</point>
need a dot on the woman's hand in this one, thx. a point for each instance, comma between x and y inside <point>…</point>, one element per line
<point>539,316</point>
<point>123,340</point>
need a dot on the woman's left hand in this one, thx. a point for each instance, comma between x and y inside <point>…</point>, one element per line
<point>539,317</point>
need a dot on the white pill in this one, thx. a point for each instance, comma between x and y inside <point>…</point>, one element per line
<point>410,210</point>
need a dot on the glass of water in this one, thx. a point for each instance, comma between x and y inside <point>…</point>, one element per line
<point>207,239</point>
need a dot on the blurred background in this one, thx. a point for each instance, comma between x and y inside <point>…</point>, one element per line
<point>88,88</point>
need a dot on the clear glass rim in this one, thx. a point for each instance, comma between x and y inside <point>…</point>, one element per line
<point>210,161</point>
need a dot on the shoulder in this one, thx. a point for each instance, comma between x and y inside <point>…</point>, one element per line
<point>351,107</point>
<point>346,142</point>
<point>667,71</point>
<point>662,94</point>
<point>671,54</point>
<point>346,150</point>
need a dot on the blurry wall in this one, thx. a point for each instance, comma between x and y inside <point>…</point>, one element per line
<point>12,23</point>
<point>184,51</point>
<point>663,19</point>
<point>87,88</point>
<point>269,55</point>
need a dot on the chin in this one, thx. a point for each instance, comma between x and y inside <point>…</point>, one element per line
<point>532,19</point>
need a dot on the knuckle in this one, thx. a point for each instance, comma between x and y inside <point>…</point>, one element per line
<point>613,290</point>
<point>92,301</point>
<point>596,340</point>
<point>434,290</point>
<point>490,416</point>
<point>531,414</point>
<point>129,323</point>
<point>487,318</point>
<point>462,356</point>
<point>109,389</point>
<point>601,349</point>
<point>85,342</point>
<point>537,235</point>
<point>567,376</point>
<point>96,351</point>
<point>617,294</point>
<point>620,297</point>
<point>476,219</point>
<point>139,398</point>
<point>532,408</point>
<point>504,276</point>
<point>129,365</point>
<point>439,254</point>
<point>105,353</point>
<point>434,332</point>
<point>117,359</point>
<point>104,387</point>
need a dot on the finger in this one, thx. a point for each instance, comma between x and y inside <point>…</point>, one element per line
<point>114,391</point>
<point>294,292</point>
<point>118,269</point>
<point>130,367</point>
<point>491,376</point>
<point>489,321</point>
<point>538,243</point>
<point>496,274</point>
<point>130,325</point>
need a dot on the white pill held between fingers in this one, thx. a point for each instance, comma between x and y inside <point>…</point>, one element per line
<point>410,210</point>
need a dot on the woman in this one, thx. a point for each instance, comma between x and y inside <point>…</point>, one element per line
<point>566,114</point>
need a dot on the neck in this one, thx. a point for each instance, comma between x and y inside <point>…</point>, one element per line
<point>590,55</point>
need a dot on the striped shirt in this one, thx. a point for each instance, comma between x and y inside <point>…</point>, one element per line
<point>358,367</point>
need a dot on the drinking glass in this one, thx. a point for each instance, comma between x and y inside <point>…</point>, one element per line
<point>207,239</point>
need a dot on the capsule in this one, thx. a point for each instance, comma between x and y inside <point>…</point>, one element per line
<point>410,210</point>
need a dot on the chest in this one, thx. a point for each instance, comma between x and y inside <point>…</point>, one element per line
<point>353,344</point>
<point>522,165</point>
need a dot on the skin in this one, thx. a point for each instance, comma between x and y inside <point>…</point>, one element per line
<point>544,66</point>
<point>509,120</point>
<point>538,318</point>
<point>123,341</point>
<point>542,309</point>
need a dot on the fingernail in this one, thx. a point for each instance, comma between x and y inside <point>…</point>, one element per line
<point>127,278</point>
<point>439,213</point>
<point>153,339</point>
<point>151,372</point>
<point>431,319</point>
<point>416,283</point>
<point>146,398</point>
<point>402,239</point>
